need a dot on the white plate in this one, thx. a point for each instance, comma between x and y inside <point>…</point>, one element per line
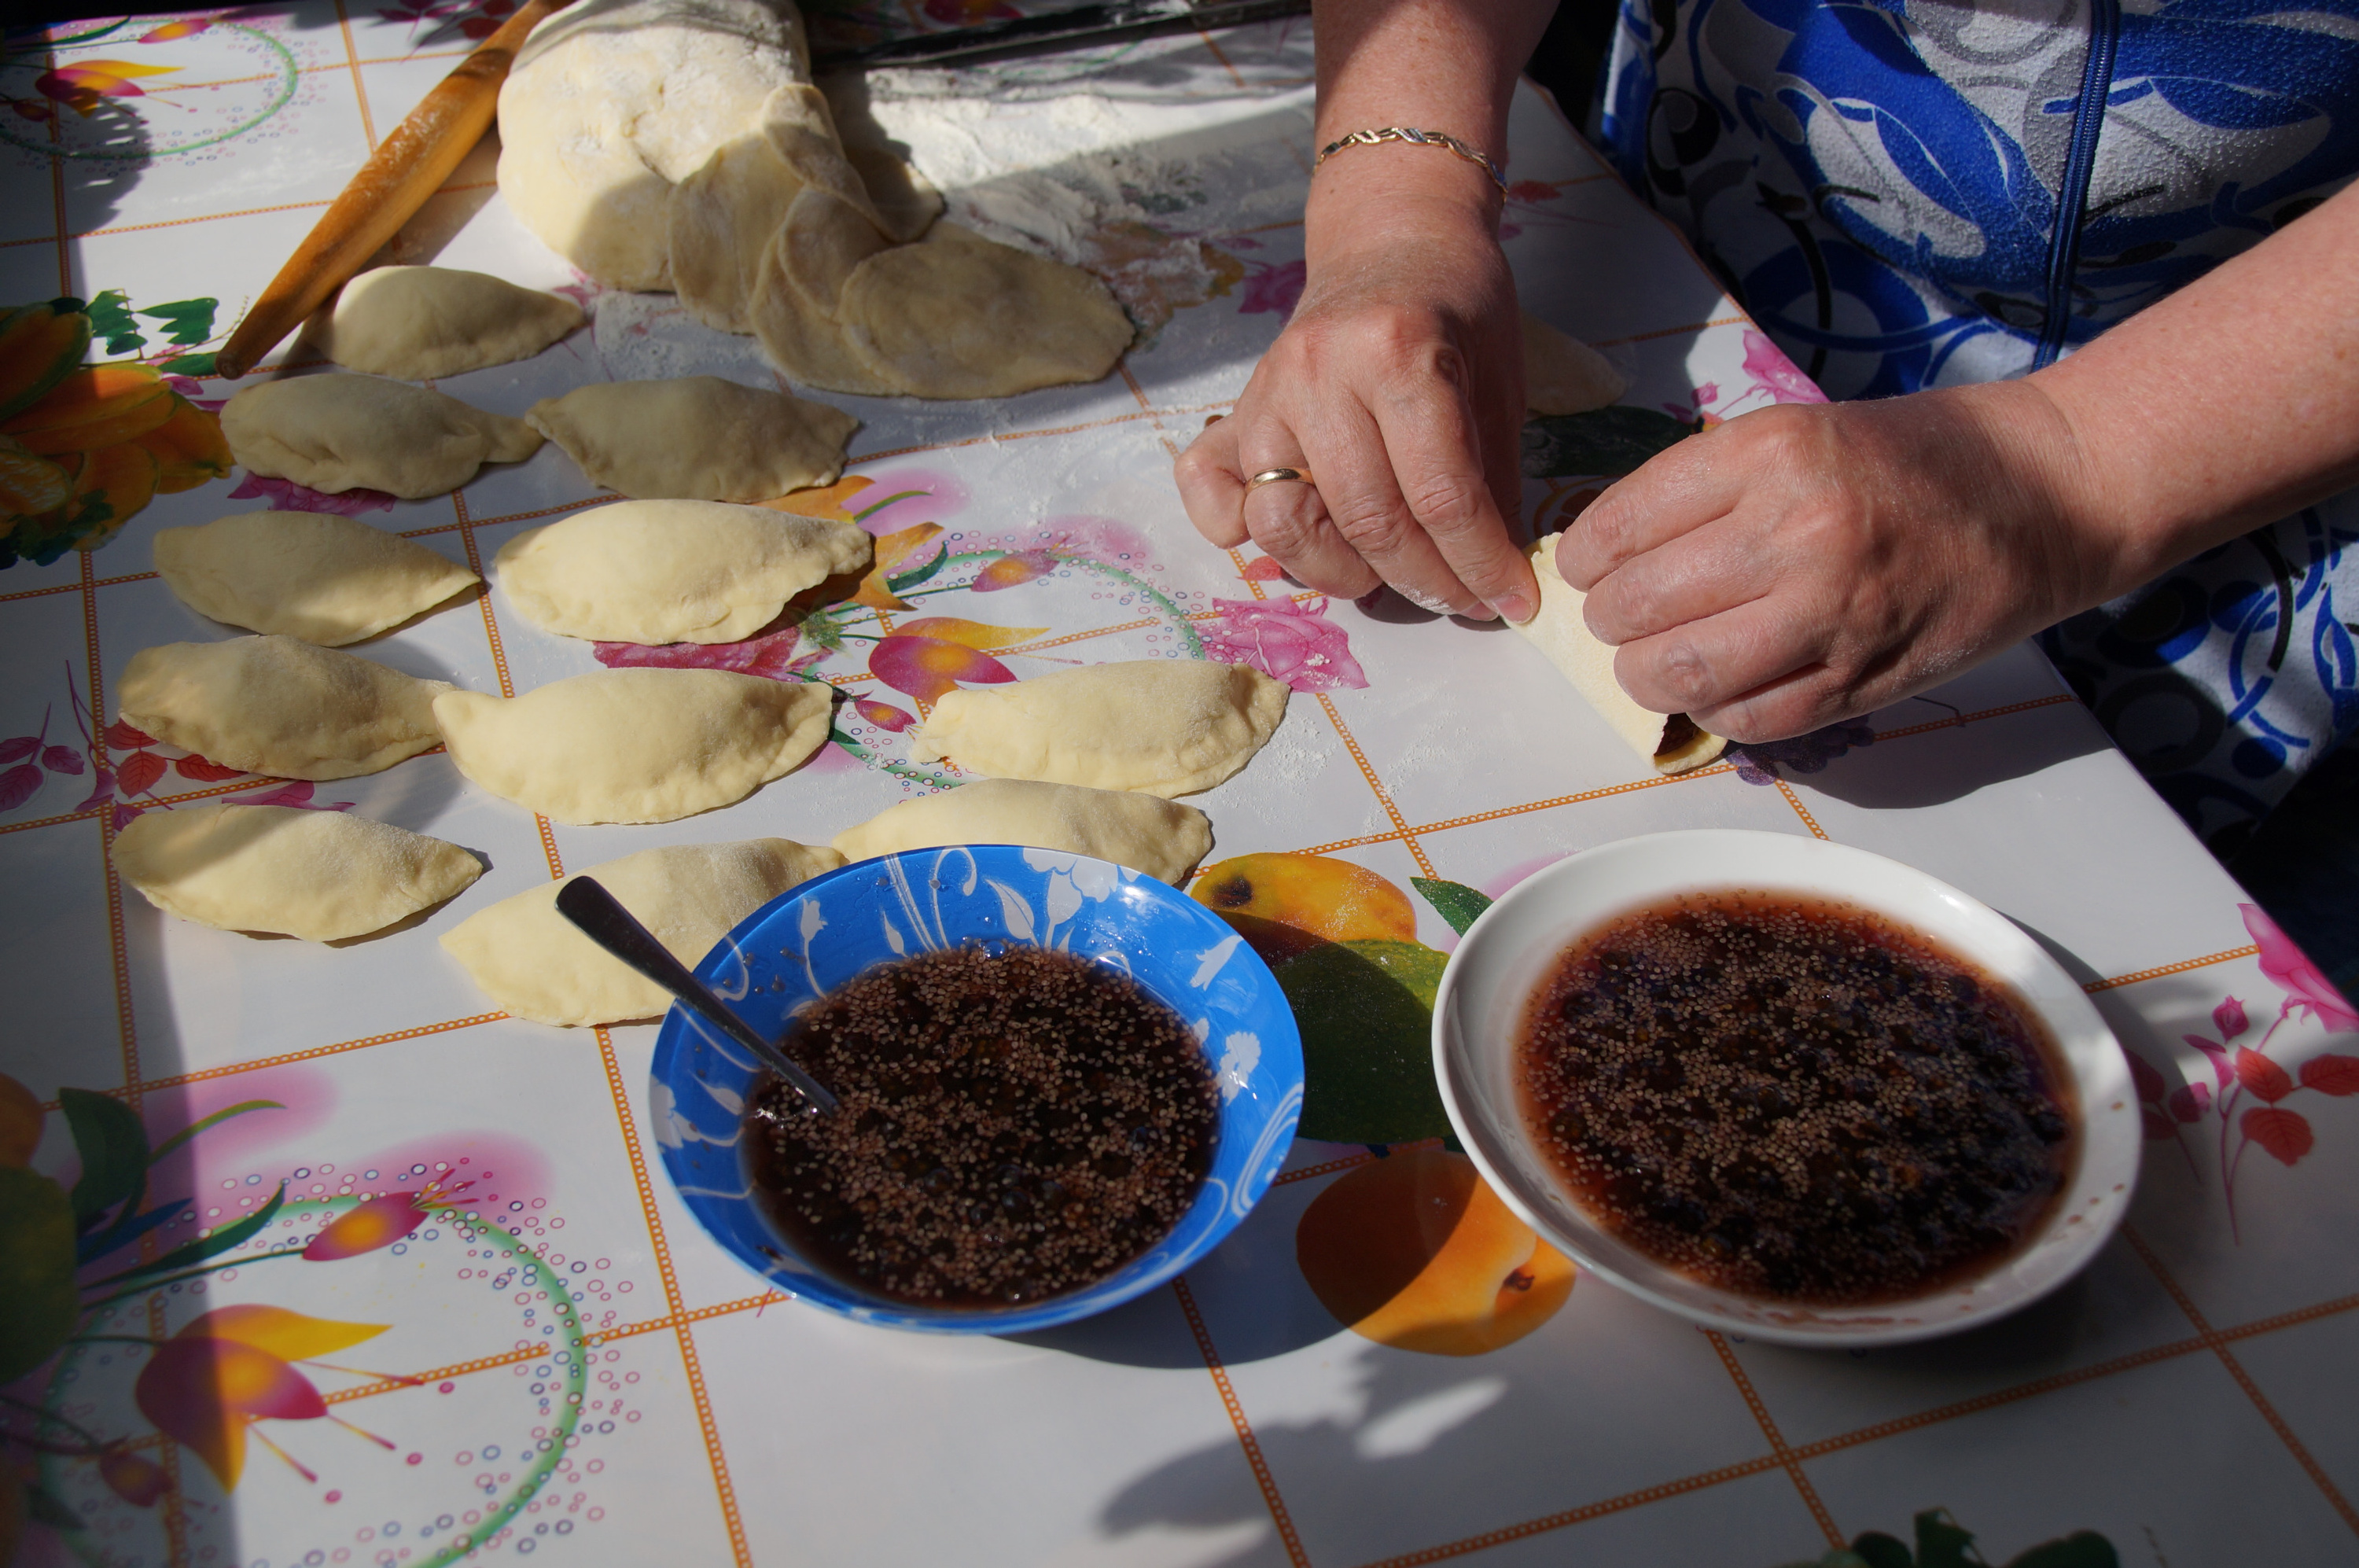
<point>1509,950</point>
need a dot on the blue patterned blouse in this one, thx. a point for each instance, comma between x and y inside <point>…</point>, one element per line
<point>1917,193</point>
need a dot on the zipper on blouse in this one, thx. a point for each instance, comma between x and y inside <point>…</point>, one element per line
<point>2073,197</point>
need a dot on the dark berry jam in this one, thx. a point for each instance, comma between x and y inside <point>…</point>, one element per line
<point>1795,1099</point>
<point>1013,1126</point>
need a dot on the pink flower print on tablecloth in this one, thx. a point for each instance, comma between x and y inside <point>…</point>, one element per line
<point>1285,641</point>
<point>2308,990</point>
<point>286,496</point>
<point>1771,371</point>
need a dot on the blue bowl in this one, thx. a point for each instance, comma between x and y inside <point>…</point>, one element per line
<point>806,941</point>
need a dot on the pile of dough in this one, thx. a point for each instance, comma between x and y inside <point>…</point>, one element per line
<point>321,875</point>
<point>1671,743</point>
<point>420,322</point>
<point>1157,726</point>
<point>635,745</point>
<point>679,144</point>
<point>1564,375</point>
<point>533,963</point>
<point>335,433</point>
<point>312,575</point>
<point>612,102</point>
<point>661,572</point>
<point>698,438</point>
<point>722,217</point>
<point>1145,832</point>
<point>274,706</point>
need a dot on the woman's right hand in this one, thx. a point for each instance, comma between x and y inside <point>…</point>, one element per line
<point>1398,386</point>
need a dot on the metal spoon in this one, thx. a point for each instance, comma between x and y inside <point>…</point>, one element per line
<point>603,920</point>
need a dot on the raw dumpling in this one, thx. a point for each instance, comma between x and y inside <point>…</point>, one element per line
<point>1145,832</point>
<point>335,433</point>
<point>966,317</point>
<point>1564,375</point>
<point>659,571</point>
<point>634,745</point>
<point>1672,743</point>
<point>313,576</point>
<point>321,875</point>
<point>533,964</point>
<point>612,102</point>
<point>698,438</point>
<point>418,322</point>
<point>274,706</point>
<point>1157,726</point>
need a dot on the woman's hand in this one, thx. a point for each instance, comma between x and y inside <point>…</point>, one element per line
<point>1398,386</point>
<point>1805,563</point>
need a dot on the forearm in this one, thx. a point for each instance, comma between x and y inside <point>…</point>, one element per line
<point>1437,65</point>
<point>2231,403</point>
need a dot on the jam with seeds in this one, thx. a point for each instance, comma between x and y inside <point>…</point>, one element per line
<point>1795,1099</point>
<point>1013,1126</point>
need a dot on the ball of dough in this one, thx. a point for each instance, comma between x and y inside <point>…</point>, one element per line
<point>335,433</point>
<point>420,322</point>
<point>635,745</point>
<point>698,438</point>
<point>612,102</point>
<point>659,571</point>
<point>321,875</point>
<point>1158,725</point>
<point>313,576</point>
<point>970,318</point>
<point>535,963</point>
<point>1158,837</point>
<point>274,706</point>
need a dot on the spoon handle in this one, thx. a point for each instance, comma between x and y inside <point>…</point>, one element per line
<point>601,918</point>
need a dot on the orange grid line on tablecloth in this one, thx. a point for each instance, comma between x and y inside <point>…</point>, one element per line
<point>1402,833</point>
<point>1800,810</point>
<point>118,942</point>
<point>1673,332</point>
<point>2217,1343</point>
<point>1351,1161</point>
<point>1778,1448</point>
<point>995,437</point>
<point>1255,1458</point>
<point>1582,1514</point>
<point>360,87</point>
<point>2181,967</point>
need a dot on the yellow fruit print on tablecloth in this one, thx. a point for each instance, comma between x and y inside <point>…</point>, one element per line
<point>1411,1248</point>
<point>83,448</point>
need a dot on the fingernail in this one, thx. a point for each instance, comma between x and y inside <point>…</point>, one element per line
<point>1513,607</point>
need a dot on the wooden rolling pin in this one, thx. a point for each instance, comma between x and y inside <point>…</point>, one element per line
<point>407,167</point>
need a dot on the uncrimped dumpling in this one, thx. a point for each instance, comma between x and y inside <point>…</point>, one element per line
<point>335,433</point>
<point>313,576</point>
<point>634,745</point>
<point>1671,743</point>
<point>696,438</point>
<point>533,963</point>
<point>420,322</point>
<point>1158,725</point>
<point>661,572</point>
<point>277,705</point>
<point>321,875</point>
<point>961,316</point>
<point>1145,832</point>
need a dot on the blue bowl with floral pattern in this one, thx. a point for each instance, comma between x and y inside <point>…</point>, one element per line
<point>814,938</point>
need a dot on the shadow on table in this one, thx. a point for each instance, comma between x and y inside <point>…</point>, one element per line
<point>1916,771</point>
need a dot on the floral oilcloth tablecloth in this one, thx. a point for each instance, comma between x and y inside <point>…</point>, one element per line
<point>369,1273</point>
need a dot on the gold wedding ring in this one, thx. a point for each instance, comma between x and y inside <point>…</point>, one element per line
<point>1278,477</point>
